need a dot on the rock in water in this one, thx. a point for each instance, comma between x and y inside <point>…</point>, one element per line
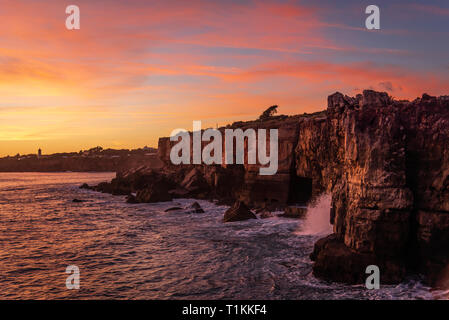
<point>85,186</point>
<point>172,209</point>
<point>195,208</point>
<point>238,212</point>
<point>335,261</point>
<point>78,200</point>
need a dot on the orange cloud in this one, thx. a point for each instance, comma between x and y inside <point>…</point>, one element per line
<point>137,69</point>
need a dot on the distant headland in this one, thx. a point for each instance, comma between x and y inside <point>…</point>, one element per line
<point>95,159</point>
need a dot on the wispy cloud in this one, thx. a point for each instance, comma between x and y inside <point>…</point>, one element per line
<point>136,69</point>
<point>432,9</point>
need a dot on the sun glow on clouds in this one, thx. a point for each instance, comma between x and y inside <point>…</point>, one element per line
<point>138,69</point>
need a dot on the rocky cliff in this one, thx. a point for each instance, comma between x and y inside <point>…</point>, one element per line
<point>386,163</point>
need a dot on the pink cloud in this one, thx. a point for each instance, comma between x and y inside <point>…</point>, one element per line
<point>164,63</point>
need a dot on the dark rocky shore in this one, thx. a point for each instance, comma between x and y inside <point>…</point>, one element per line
<point>386,163</point>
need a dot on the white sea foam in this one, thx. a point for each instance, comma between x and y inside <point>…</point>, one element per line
<point>318,217</point>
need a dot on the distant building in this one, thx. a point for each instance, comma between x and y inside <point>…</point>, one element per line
<point>39,153</point>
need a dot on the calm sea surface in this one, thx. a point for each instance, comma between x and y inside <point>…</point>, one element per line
<point>129,251</point>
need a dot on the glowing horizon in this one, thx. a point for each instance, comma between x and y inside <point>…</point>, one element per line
<point>136,70</point>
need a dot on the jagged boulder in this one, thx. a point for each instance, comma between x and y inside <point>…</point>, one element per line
<point>195,208</point>
<point>238,212</point>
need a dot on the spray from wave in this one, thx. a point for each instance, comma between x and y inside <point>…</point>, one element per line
<point>317,221</point>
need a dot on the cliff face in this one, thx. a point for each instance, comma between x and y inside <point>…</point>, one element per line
<point>385,162</point>
<point>243,182</point>
<point>387,167</point>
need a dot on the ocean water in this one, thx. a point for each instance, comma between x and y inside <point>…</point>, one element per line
<point>138,251</point>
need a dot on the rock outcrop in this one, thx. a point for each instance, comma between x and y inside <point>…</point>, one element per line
<point>386,163</point>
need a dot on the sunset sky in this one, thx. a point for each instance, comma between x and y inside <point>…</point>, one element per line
<point>136,70</point>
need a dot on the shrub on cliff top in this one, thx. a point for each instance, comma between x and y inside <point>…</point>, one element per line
<point>268,113</point>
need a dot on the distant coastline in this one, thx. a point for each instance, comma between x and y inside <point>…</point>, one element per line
<point>92,160</point>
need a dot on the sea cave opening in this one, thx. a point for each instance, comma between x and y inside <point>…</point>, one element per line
<point>300,191</point>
